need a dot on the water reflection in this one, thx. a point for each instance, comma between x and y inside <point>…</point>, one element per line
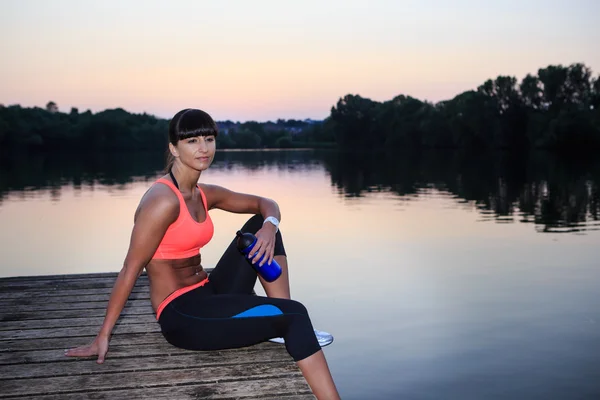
<point>32,172</point>
<point>25,174</point>
<point>555,195</point>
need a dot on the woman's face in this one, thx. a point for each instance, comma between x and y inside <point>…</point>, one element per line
<point>196,152</point>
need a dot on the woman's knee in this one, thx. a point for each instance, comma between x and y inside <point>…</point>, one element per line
<point>289,306</point>
<point>253,224</point>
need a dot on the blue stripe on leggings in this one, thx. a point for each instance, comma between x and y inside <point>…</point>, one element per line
<point>264,310</point>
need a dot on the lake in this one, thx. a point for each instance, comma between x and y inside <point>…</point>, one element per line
<point>441,275</point>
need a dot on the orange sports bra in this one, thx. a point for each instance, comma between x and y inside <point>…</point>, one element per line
<point>184,237</point>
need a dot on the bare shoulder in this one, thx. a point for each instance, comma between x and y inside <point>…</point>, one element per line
<point>159,202</point>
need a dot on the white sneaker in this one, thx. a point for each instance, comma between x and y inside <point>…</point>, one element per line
<point>324,338</point>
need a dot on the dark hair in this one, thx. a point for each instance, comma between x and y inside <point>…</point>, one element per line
<point>186,124</point>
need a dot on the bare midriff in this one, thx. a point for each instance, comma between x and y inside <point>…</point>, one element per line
<point>167,276</point>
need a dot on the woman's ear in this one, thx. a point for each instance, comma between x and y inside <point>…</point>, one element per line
<point>173,150</point>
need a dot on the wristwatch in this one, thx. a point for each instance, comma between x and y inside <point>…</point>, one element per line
<point>274,221</point>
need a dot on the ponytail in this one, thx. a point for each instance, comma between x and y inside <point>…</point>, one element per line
<point>170,160</point>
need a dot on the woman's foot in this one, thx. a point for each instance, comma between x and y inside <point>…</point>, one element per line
<point>324,338</point>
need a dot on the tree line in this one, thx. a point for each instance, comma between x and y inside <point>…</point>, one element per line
<point>557,108</point>
<point>50,129</point>
<point>116,129</point>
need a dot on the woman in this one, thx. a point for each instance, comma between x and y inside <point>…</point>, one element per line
<point>195,311</point>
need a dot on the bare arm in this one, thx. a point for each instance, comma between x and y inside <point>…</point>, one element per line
<point>235,202</point>
<point>156,212</point>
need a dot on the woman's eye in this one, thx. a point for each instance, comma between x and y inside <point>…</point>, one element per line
<point>210,139</point>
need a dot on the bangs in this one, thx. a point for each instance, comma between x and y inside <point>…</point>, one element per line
<point>190,123</point>
<point>203,131</point>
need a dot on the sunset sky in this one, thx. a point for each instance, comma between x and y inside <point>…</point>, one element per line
<point>267,59</point>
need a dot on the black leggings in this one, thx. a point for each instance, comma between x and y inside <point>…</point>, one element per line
<point>224,313</point>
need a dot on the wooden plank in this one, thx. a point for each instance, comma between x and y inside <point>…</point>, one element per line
<point>284,389</point>
<point>115,351</point>
<point>71,293</point>
<point>85,276</point>
<point>79,306</point>
<point>56,305</point>
<point>85,296</point>
<point>51,280</point>
<point>60,314</point>
<point>79,331</point>
<point>147,360</point>
<point>144,318</point>
<point>147,379</point>
<point>59,281</point>
<point>57,286</point>
<point>132,339</point>
<point>62,276</point>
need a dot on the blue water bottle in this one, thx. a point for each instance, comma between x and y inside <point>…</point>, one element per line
<point>245,243</point>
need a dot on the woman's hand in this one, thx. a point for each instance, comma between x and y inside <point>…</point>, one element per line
<point>98,347</point>
<point>265,244</point>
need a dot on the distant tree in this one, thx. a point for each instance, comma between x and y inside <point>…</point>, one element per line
<point>247,139</point>
<point>595,98</point>
<point>3,131</point>
<point>352,119</point>
<point>51,107</point>
<point>531,92</point>
<point>284,142</point>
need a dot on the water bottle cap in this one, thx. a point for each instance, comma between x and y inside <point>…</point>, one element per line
<point>245,240</point>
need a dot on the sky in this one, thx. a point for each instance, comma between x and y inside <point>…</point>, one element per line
<point>268,59</point>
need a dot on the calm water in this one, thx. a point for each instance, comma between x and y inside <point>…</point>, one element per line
<point>441,276</point>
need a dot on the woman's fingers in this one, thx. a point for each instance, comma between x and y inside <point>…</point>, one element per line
<point>101,356</point>
<point>270,252</point>
<point>264,248</point>
<point>258,250</point>
<point>98,347</point>
<point>83,351</point>
<point>102,349</point>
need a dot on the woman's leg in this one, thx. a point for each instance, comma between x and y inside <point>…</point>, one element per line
<point>199,320</point>
<point>280,288</point>
<point>316,372</point>
<point>233,273</point>
<point>202,320</point>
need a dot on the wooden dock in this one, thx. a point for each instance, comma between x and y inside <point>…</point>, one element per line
<point>42,316</point>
